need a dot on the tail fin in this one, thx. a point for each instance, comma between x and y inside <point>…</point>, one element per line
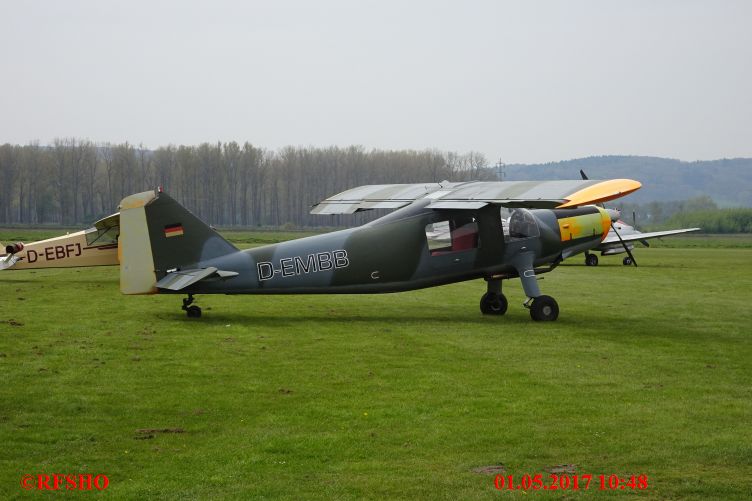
<point>158,234</point>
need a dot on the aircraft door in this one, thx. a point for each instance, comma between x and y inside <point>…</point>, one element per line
<point>452,241</point>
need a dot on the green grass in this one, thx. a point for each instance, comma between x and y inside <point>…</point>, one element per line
<point>647,371</point>
<point>699,240</point>
<point>241,238</point>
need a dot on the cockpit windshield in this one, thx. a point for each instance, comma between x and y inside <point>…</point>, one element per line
<point>522,224</point>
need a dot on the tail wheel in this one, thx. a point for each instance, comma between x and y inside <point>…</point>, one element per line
<point>544,309</point>
<point>493,304</point>
<point>193,312</point>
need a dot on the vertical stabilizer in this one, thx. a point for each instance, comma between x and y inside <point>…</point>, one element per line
<point>158,235</point>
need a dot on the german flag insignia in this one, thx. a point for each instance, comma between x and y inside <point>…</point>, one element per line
<point>173,230</point>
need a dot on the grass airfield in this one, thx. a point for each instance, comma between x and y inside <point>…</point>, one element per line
<point>647,371</point>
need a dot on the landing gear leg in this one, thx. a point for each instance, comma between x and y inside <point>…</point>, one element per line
<point>192,311</point>
<point>542,308</point>
<point>493,302</point>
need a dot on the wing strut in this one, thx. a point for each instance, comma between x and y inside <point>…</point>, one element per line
<point>624,244</point>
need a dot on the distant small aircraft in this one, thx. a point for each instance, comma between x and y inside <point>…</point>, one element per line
<point>621,236</point>
<point>623,241</point>
<point>440,233</point>
<point>95,246</point>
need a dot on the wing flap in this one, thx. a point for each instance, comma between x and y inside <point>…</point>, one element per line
<point>376,196</point>
<point>456,204</point>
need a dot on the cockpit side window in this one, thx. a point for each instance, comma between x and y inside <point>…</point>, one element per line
<point>107,236</point>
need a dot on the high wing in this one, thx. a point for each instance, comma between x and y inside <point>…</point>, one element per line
<point>474,195</point>
<point>8,261</point>
<point>108,222</point>
<point>637,236</point>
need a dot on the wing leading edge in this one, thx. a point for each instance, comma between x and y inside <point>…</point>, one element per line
<point>646,236</point>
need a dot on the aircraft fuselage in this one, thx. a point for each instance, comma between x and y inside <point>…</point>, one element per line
<point>406,250</point>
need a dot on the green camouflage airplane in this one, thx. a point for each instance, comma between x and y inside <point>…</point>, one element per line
<point>440,233</point>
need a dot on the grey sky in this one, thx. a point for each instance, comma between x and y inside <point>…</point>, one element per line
<point>522,81</point>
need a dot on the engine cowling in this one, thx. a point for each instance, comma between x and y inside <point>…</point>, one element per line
<point>14,248</point>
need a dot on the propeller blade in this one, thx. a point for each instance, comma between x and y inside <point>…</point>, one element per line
<point>624,244</point>
<point>584,177</point>
<point>634,220</point>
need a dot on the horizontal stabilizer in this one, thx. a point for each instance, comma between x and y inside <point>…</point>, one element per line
<point>179,280</point>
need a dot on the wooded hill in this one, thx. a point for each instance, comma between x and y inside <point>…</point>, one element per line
<point>728,181</point>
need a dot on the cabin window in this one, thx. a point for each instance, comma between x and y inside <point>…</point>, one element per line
<point>452,235</point>
<point>106,236</point>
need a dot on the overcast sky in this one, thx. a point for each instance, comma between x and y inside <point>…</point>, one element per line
<point>520,81</point>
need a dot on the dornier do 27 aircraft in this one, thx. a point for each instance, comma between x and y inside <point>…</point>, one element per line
<point>439,233</point>
<point>95,246</point>
<point>622,238</point>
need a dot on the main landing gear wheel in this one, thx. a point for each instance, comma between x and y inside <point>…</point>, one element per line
<point>591,260</point>
<point>192,311</point>
<point>544,308</point>
<point>627,261</point>
<point>492,303</point>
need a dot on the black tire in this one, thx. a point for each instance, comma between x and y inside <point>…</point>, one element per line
<point>193,312</point>
<point>627,261</point>
<point>493,304</point>
<point>544,309</point>
<point>591,260</point>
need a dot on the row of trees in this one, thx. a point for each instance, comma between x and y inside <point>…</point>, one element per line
<point>737,220</point>
<point>655,214</point>
<point>74,182</point>
<point>701,212</point>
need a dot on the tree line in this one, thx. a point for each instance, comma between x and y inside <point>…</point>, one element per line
<point>737,220</point>
<point>73,182</point>
<point>655,214</point>
<point>701,212</point>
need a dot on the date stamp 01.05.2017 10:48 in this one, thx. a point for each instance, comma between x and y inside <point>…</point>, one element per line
<point>555,482</point>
